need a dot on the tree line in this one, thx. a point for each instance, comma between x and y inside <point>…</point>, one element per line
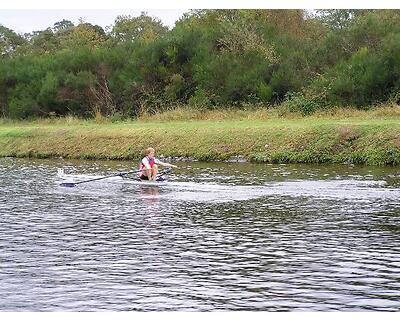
<point>293,59</point>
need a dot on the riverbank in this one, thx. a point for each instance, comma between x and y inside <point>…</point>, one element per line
<point>334,139</point>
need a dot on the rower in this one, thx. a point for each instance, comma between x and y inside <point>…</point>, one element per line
<point>150,165</point>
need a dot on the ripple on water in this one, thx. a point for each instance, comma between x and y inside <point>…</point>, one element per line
<point>272,238</point>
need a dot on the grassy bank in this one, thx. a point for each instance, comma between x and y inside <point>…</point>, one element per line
<point>356,137</point>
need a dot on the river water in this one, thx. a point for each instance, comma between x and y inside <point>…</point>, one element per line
<point>216,237</point>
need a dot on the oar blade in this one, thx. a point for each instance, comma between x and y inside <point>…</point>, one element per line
<point>67,184</point>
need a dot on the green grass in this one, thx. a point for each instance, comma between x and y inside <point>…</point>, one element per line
<point>355,137</point>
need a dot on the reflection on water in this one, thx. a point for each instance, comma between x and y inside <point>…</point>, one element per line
<point>216,237</point>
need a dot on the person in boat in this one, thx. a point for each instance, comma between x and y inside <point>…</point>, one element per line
<point>149,165</point>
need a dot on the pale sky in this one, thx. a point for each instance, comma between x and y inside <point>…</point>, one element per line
<point>24,21</point>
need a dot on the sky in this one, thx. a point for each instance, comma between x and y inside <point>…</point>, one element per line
<point>24,16</point>
<point>25,21</point>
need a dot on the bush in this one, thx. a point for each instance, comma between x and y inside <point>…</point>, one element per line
<point>23,106</point>
<point>305,102</point>
<point>201,100</point>
<point>211,58</point>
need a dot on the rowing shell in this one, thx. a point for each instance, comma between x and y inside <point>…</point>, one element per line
<point>159,181</point>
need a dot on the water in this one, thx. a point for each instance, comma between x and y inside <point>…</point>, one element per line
<point>218,237</point>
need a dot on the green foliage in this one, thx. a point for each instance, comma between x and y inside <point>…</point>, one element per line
<point>48,92</point>
<point>339,18</point>
<point>201,100</point>
<point>264,92</point>
<point>128,28</point>
<point>83,35</point>
<point>368,77</point>
<point>304,102</point>
<point>44,42</point>
<point>174,87</point>
<point>62,27</point>
<point>9,42</point>
<point>209,60</point>
<point>22,104</point>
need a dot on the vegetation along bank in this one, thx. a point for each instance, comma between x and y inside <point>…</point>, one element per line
<point>302,60</point>
<point>359,140</point>
<point>282,74</point>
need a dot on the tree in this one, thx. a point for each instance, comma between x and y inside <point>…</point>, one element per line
<point>62,26</point>
<point>82,35</point>
<point>9,41</point>
<point>43,41</point>
<point>128,28</point>
<point>339,19</point>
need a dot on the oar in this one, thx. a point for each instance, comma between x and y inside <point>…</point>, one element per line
<point>165,171</point>
<point>162,173</point>
<point>73,184</point>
